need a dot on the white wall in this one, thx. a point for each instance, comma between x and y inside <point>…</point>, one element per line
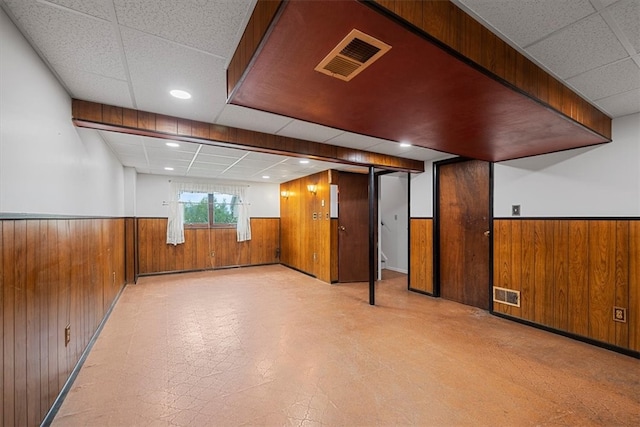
<point>47,166</point>
<point>422,193</point>
<point>152,190</point>
<point>394,234</point>
<point>597,181</point>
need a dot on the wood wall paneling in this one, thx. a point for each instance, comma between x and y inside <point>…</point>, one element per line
<point>571,273</point>
<point>621,282</point>
<point>54,273</point>
<point>421,262</point>
<point>578,293</point>
<point>561,275</point>
<point>130,257</point>
<point>2,331</point>
<point>306,242</point>
<point>602,255</point>
<point>634,286</point>
<point>9,319</point>
<point>205,248</point>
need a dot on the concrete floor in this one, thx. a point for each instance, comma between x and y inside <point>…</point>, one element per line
<point>271,346</point>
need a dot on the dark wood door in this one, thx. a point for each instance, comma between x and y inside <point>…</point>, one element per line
<point>353,228</point>
<point>463,214</point>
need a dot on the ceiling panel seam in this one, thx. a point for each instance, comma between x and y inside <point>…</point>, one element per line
<point>123,55</point>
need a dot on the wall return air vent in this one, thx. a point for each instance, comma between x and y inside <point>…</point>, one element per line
<point>352,55</point>
<point>506,296</point>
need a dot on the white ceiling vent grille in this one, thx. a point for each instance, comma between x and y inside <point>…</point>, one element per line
<point>506,296</point>
<point>352,55</point>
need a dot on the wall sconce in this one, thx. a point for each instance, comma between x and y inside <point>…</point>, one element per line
<point>313,188</point>
<point>284,194</point>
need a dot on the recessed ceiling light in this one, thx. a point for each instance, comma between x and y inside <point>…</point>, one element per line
<point>173,144</point>
<point>405,144</point>
<point>180,94</point>
<point>168,168</point>
<point>304,162</point>
<point>266,176</point>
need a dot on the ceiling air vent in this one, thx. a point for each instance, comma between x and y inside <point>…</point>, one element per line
<point>352,55</point>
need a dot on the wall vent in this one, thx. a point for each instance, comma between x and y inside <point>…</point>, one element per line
<point>352,55</point>
<point>506,296</point>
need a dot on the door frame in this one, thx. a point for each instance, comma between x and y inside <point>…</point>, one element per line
<point>436,225</point>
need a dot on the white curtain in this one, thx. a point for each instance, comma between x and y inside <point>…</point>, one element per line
<point>175,223</point>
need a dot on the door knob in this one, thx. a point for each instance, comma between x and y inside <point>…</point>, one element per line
<point>486,233</point>
<point>341,228</point>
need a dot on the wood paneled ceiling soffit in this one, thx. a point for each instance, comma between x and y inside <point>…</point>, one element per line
<point>447,83</point>
<point>134,122</point>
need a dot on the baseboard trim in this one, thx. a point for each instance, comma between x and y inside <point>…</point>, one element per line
<point>587,340</point>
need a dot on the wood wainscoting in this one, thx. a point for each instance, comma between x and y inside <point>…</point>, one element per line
<point>54,273</point>
<point>205,248</point>
<point>571,273</point>
<point>421,249</point>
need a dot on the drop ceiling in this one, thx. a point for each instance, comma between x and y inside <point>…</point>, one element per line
<point>131,54</point>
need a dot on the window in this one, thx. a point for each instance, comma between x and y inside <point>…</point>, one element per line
<point>209,209</point>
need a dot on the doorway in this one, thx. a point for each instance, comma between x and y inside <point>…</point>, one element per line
<point>353,227</point>
<point>393,223</point>
<point>463,231</point>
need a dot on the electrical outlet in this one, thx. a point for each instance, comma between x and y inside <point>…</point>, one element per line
<point>620,314</point>
<point>67,335</point>
<point>515,210</point>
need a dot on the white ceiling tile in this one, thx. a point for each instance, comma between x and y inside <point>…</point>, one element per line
<point>255,164</point>
<point>161,143</point>
<point>198,166</point>
<point>209,25</point>
<point>246,118</point>
<point>627,15</point>
<point>99,8</point>
<point>309,131</point>
<point>157,66</point>
<point>353,140</point>
<point>221,151</point>
<point>210,161</point>
<point>122,138</point>
<point>70,39</point>
<point>266,157</point>
<point>581,47</point>
<point>94,87</point>
<point>420,153</point>
<point>526,21</point>
<point>166,154</point>
<point>127,149</point>
<point>621,104</point>
<point>608,80</point>
<point>390,148</point>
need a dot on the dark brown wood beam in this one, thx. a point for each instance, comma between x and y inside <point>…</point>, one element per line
<point>134,122</point>
<point>257,27</point>
<point>449,25</point>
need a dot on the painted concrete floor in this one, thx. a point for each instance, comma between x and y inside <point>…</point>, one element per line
<point>270,346</point>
